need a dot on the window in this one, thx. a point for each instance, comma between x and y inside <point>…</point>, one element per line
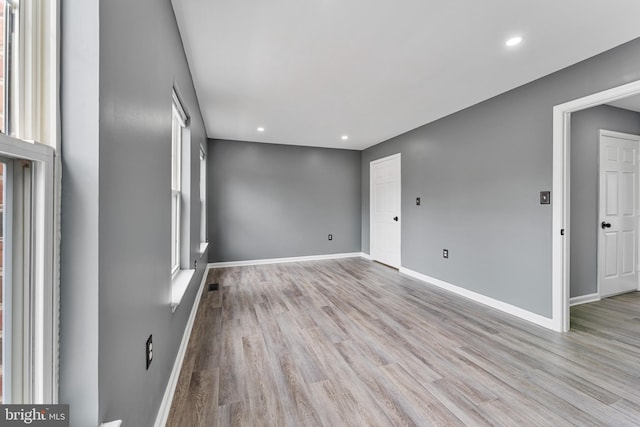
<point>179,121</point>
<point>203,198</point>
<point>8,62</point>
<point>180,202</point>
<point>28,171</point>
<point>29,299</point>
<point>3,325</point>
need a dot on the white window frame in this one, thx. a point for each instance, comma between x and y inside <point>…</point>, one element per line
<point>35,108</point>
<point>178,124</point>
<point>33,112</point>
<point>181,275</point>
<point>203,200</point>
<point>29,267</point>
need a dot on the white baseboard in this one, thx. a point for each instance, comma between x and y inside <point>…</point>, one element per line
<point>482,299</point>
<point>283,260</point>
<point>365,255</point>
<point>584,299</point>
<point>167,399</point>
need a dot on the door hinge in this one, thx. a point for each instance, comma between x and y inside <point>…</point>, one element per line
<point>562,232</point>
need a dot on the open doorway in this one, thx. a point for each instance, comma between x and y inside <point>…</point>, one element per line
<point>567,228</point>
<point>604,203</point>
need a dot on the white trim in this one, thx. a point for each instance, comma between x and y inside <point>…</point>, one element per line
<point>8,262</point>
<point>284,260</point>
<point>177,127</point>
<point>179,284</point>
<point>203,195</point>
<point>482,299</point>
<point>177,102</point>
<point>620,135</point>
<point>584,299</point>
<point>384,159</point>
<point>366,256</point>
<point>38,364</point>
<point>560,246</point>
<point>203,247</point>
<point>12,147</point>
<point>167,399</point>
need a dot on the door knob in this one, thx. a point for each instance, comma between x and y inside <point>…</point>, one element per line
<point>605,225</point>
<point>395,218</point>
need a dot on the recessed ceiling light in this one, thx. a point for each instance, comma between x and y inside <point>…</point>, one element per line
<point>344,137</point>
<point>260,129</point>
<point>514,41</point>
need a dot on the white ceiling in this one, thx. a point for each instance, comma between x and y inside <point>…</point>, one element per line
<point>309,71</point>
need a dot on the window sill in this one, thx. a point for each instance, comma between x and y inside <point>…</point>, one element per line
<point>179,285</point>
<point>203,247</point>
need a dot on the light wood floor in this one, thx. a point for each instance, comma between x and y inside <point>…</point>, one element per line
<point>353,343</point>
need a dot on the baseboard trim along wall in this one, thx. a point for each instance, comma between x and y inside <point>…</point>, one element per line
<point>167,399</point>
<point>482,299</point>
<point>283,260</point>
<point>584,299</point>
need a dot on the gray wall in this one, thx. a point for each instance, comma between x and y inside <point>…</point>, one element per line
<point>479,173</point>
<point>120,60</point>
<point>273,201</point>
<point>585,126</point>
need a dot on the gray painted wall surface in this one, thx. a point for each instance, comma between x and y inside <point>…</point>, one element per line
<point>273,201</point>
<point>117,207</point>
<point>585,126</point>
<point>479,172</point>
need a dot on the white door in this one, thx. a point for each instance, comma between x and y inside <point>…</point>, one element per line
<point>618,218</point>
<point>385,210</point>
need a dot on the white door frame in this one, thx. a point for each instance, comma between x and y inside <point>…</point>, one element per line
<point>560,250</point>
<point>371,234</point>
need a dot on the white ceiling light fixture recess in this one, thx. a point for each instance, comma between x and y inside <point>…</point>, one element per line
<point>344,137</point>
<point>514,41</point>
<point>260,129</point>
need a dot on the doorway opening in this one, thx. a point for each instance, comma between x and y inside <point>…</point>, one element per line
<point>561,196</point>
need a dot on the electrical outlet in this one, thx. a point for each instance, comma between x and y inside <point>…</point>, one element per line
<point>545,197</point>
<point>330,236</point>
<point>149,350</point>
<point>195,264</point>
<point>417,201</point>
<point>445,253</point>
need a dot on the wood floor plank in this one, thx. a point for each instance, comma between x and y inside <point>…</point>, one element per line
<point>353,343</point>
<point>416,399</point>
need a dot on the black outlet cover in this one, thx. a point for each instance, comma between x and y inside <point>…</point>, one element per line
<point>545,197</point>
<point>149,350</point>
